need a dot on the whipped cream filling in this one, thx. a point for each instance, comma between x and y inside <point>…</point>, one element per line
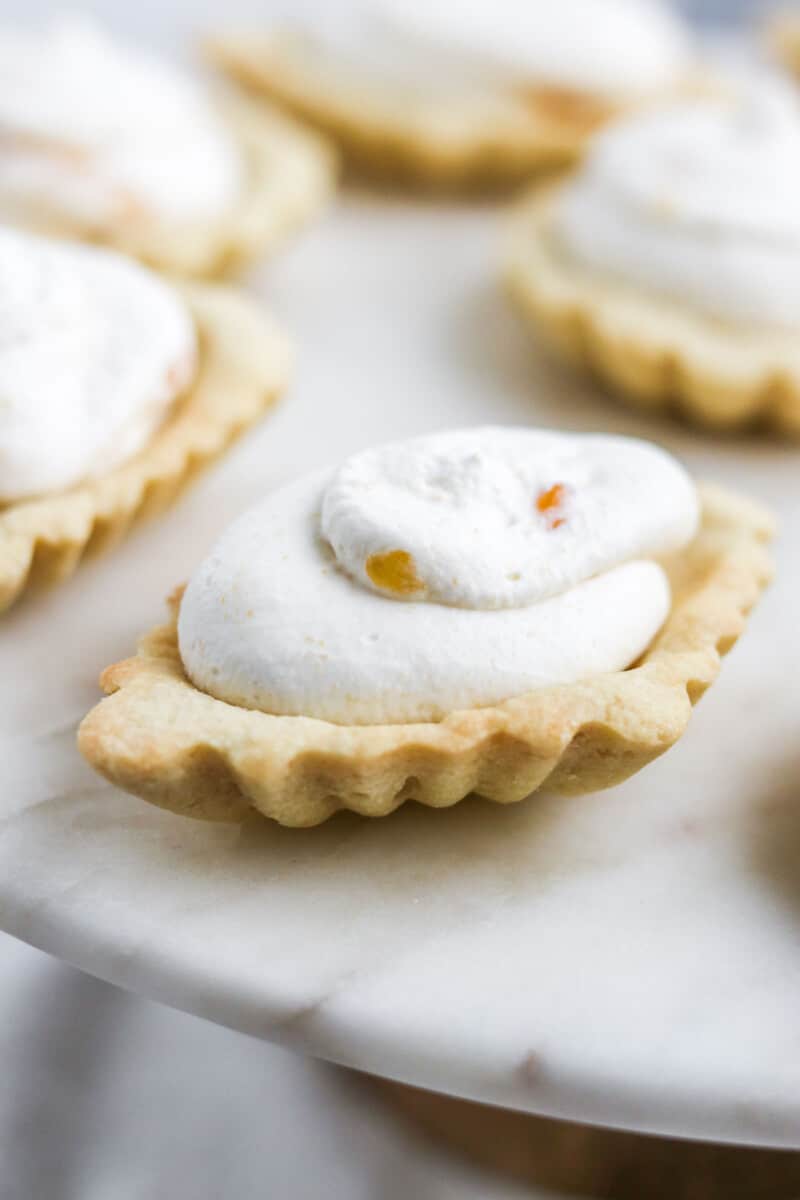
<point>94,131</point>
<point>94,349</point>
<point>700,202</point>
<point>607,48</point>
<point>447,572</point>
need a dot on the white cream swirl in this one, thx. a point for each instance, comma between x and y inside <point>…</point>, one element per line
<point>96,132</point>
<point>700,202</point>
<point>94,349</point>
<point>448,572</point>
<point>603,48</point>
<point>497,518</point>
<point>600,47</point>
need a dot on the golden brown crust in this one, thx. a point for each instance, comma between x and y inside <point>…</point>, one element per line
<point>159,737</point>
<point>490,141</point>
<point>783,37</point>
<point>243,366</point>
<point>290,173</point>
<point>653,351</point>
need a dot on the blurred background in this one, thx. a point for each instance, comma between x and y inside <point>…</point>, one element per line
<point>105,1096</point>
<point>167,20</point>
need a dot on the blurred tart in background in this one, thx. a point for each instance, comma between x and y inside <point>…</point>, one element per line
<point>669,263</point>
<point>463,92</point>
<point>117,388</point>
<point>102,143</point>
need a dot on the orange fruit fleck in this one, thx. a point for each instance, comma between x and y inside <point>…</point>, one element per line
<point>394,572</point>
<point>550,504</point>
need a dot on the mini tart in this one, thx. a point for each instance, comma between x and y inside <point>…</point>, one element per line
<point>290,173</point>
<point>164,740</point>
<point>653,351</point>
<point>243,366</point>
<point>498,141</point>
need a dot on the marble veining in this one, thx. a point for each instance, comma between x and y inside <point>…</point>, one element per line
<point>631,958</point>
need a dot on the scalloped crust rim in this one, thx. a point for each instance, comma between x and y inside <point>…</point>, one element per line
<point>243,366</point>
<point>654,352</point>
<point>159,737</point>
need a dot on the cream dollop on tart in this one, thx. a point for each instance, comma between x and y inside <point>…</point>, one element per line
<point>104,141</point>
<point>612,49</point>
<point>445,573</point>
<point>671,260</point>
<point>94,350</point>
<point>473,611</point>
<point>112,392</point>
<point>464,91</point>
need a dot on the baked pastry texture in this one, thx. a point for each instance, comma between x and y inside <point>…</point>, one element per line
<point>243,366</point>
<point>158,736</point>
<point>657,352</point>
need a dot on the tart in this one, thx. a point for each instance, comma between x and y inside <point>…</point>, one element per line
<point>106,145</point>
<point>265,693</point>
<point>669,264</point>
<point>120,388</point>
<point>455,96</point>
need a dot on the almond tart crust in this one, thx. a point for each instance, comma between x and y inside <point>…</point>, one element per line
<point>243,365</point>
<point>164,740</point>
<point>289,174</point>
<point>653,351</point>
<point>388,132</point>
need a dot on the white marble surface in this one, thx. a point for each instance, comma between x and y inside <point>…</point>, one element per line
<point>107,1096</point>
<point>631,958</point>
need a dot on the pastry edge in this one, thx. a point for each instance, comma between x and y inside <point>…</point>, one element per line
<point>651,351</point>
<point>217,762</point>
<point>243,366</point>
<point>397,147</point>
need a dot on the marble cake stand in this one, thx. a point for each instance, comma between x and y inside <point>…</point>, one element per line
<point>630,959</point>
